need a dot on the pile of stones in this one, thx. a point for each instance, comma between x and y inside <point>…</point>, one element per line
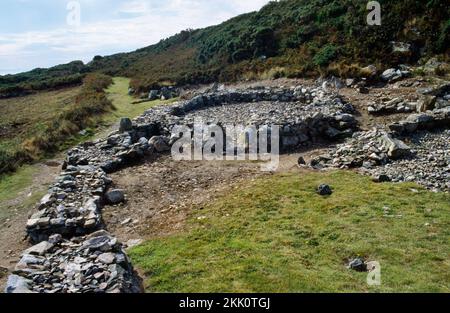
<point>425,159</point>
<point>72,205</point>
<point>93,264</point>
<point>397,105</point>
<point>429,164</point>
<point>364,149</point>
<point>438,118</point>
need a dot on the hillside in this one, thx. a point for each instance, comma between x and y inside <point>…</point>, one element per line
<point>292,38</point>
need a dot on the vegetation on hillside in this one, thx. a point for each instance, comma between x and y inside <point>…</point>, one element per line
<point>277,235</point>
<point>285,38</point>
<point>300,37</point>
<point>55,122</point>
<point>60,76</point>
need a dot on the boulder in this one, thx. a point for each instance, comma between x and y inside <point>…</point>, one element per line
<point>115,196</point>
<point>153,95</point>
<point>396,149</point>
<point>166,94</point>
<point>391,75</point>
<point>358,265</point>
<point>381,178</point>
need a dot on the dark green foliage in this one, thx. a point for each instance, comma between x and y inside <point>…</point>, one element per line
<point>325,55</point>
<point>42,79</point>
<point>9,160</point>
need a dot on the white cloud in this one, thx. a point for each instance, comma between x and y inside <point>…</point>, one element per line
<point>146,25</point>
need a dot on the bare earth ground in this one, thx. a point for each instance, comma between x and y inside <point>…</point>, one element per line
<point>162,193</point>
<point>12,226</point>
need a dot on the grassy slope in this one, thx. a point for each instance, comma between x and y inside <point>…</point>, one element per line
<point>278,235</point>
<point>12,184</point>
<point>26,116</point>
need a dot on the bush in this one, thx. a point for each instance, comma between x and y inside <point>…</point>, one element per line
<point>89,105</point>
<point>325,55</point>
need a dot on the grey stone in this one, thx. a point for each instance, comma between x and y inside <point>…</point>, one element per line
<point>358,265</point>
<point>106,258</point>
<point>17,284</point>
<point>40,249</point>
<point>160,143</point>
<point>115,196</point>
<point>125,124</point>
<point>324,190</point>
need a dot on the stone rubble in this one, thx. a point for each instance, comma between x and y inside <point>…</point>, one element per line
<point>305,115</point>
<point>93,264</point>
<point>425,159</point>
<point>396,105</point>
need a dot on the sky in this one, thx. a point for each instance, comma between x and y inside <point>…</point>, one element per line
<point>44,33</point>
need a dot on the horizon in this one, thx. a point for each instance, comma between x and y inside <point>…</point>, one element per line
<point>37,34</point>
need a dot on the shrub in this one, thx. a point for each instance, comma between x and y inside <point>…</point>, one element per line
<point>325,55</point>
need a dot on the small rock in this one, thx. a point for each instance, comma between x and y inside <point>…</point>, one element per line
<point>115,196</point>
<point>301,161</point>
<point>324,190</point>
<point>382,178</point>
<point>106,258</point>
<point>358,265</point>
<point>39,249</point>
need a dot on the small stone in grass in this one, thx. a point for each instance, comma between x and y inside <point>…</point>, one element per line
<point>324,190</point>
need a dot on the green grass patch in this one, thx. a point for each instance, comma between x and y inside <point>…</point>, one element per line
<point>12,184</point>
<point>277,235</point>
<point>117,93</point>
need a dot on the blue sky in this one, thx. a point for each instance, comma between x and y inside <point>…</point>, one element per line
<point>35,33</point>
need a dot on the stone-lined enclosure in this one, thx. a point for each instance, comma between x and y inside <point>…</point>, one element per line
<point>75,254</point>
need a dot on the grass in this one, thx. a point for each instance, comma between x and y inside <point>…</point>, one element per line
<point>11,185</point>
<point>117,93</point>
<point>25,116</point>
<point>277,235</point>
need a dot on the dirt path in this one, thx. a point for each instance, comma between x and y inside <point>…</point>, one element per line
<point>161,194</point>
<point>15,213</point>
